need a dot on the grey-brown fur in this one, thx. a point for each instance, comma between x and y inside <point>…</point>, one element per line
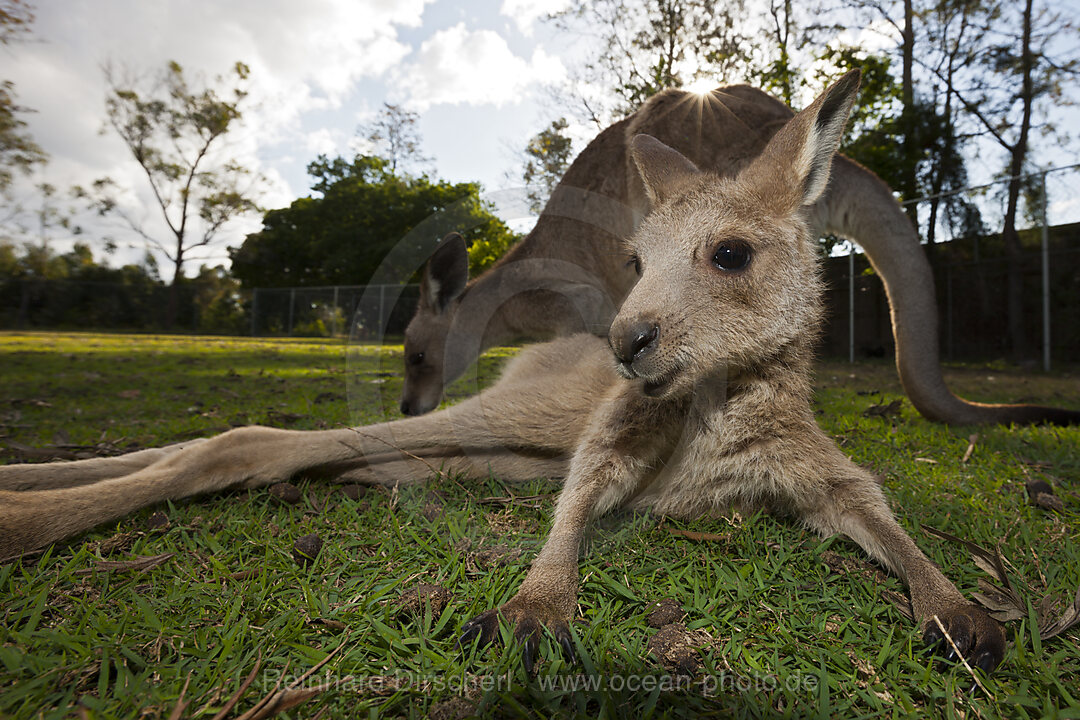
<point>710,410</point>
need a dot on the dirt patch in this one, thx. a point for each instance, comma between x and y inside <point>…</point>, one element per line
<point>457,708</point>
<point>415,599</point>
<point>490,557</point>
<point>354,492</point>
<point>665,612</point>
<point>306,549</point>
<point>502,523</point>
<point>676,648</point>
<point>286,493</point>
<point>158,522</point>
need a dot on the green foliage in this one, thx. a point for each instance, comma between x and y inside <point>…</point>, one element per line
<point>486,250</point>
<point>218,304</point>
<point>396,137</point>
<point>546,158</point>
<point>343,237</point>
<point>174,131</point>
<point>42,289</point>
<point>18,151</point>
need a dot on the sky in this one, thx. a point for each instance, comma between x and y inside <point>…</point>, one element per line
<point>477,72</point>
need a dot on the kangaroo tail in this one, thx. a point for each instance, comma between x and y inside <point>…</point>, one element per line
<point>860,207</point>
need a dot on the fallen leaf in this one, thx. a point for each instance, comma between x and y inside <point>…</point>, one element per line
<point>1041,494</point>
<point>1004,605</point>
<point>972,439</point>
<point>883,411</point>
<point>1050,626</point>
<point>141,564</point>
<point>698,536</point>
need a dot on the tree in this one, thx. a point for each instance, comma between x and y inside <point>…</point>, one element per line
<point>793,29</point>
<point>950,24</point>
<point>645,47</point>
<point>546,158</point>
<point>900,15</point>
<point>343,237</point>
<point>1021,73</point>
<point>18,151</point>
<point>396,137</point>
<point>176,134</point>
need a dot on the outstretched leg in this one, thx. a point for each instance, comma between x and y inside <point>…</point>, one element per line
<point>855,506</point>
<point>626,439</point>
<point>489,428</point>
<point>53,475</point>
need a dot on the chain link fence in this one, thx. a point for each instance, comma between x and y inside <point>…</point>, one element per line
<point>141,306</point>
<point>971,268</point>
<point>361,311</point>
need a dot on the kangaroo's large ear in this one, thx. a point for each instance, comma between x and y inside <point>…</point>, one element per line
<point>794,168</point>
<point>446,273</point>
<point>664,170</point>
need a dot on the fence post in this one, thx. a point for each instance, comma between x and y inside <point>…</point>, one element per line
<point>1045,278</point>
<point>292,301</point>
<point>333,324</point>
<point>948,313</point>
<point>381,327</point>
<point>254,310</point>
<point>851,304</point>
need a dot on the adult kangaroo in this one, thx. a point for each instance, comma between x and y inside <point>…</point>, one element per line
<point>570,274</point>
<point>699,399</point>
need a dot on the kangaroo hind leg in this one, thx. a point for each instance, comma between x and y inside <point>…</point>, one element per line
<point>856,507</point>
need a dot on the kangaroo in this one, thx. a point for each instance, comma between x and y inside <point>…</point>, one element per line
<point>570,273</point>
<point>700,398</point>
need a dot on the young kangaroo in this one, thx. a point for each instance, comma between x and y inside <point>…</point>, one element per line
<point>715,343</point>
<point>706,403</point>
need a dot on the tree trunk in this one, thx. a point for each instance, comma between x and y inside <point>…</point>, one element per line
<point>1013,252</point>
<point>908,120</point>
<point>173,303</point>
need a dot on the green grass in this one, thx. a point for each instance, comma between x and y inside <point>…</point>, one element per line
<point>775,631</point>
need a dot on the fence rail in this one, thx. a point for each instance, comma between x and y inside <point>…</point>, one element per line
<point>972,324</point>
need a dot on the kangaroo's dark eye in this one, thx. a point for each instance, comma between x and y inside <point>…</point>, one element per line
<point>636,262</point>
<point>731,255</point>
<point>415,358</point>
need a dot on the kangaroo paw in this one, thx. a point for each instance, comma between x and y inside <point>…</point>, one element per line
<point>528,624</point>
<point>978,637</point>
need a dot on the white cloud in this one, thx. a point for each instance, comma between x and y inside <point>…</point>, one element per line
<point>305,58</point>
<point>526,12</point>
<point>458,66</point>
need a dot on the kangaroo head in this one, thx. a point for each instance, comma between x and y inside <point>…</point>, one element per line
<point>426,351</point>
<point>727,266</point>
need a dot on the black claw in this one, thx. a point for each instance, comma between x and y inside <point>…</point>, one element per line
<point>986,661</point>
<point>567,645</point>
<point>528,653</point>
<point>933,638</point>
<point>478,629</point>
<point>469,632</point>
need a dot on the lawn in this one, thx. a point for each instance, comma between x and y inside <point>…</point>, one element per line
<point>189,605</point>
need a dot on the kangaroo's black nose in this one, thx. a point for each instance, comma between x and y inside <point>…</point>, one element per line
<point>635,341</point>
<point>405,407</point>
